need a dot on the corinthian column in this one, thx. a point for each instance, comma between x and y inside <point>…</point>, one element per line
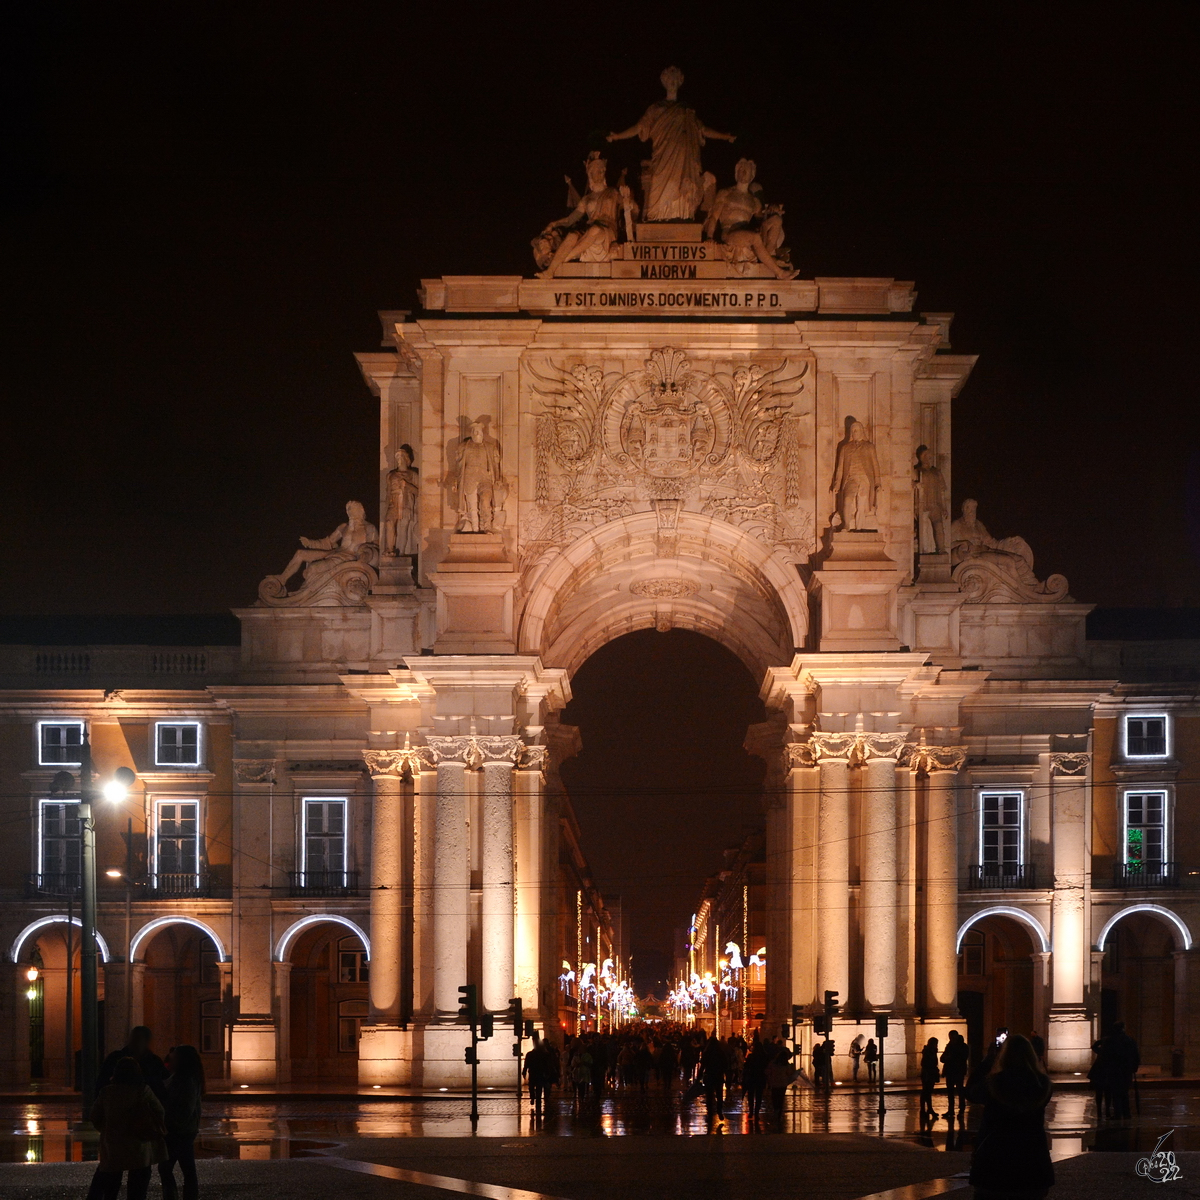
<point>942,765</point>
<point>498,924</point>
<point>877,895</point>
<point>451,874</point>
<point>833,752</point>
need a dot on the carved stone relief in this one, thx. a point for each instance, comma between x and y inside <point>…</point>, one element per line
<point>668,437</point>
<point>1070,763</point>
<point>997,570</point>
<point>254,770</point>
<point>474,750</point>
<point>664,589</point>
<point>336,570</point>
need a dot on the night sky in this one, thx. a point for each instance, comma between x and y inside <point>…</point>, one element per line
<point>205,205</point>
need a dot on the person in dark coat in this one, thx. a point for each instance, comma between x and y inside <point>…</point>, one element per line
<point>931,1072</point>
<point>1012,1156</point>
<point>955,1060</point>
<point>539,1071</point>
<point>712,1075</point>
<point>129,1117</point>
<point>1121,1059</point>
<point>754,1076</point>
<point>182,1095</point>
<point>871,1058</point>
<point>154,1073</point>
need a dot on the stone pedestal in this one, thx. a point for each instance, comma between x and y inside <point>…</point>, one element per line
<point>858,586</point>
<point>443,1058</point>
<point>475,583</point>
<point>385,1055</point>
<point>252,1051</point>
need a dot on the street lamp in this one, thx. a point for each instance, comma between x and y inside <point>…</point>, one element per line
<point>114,791</point>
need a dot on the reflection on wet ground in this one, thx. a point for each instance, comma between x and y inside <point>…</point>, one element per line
<point>42,1131</point>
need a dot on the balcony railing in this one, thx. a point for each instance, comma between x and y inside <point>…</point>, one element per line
<point>1146,875</point>
<point>164,886</point>
<point>1002,876</point>
<point>323,883</point>
<point>61,884</point>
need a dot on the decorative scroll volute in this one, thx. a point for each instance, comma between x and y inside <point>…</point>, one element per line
<point>831,747</point>
<point>928,759</point>
<point>854,748</point>
<point>1070,763</point>
<point>533,758</point>
<point>410,760</point>
<point>474,750</point>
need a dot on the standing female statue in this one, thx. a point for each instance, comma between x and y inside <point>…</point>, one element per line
<point>673,183</point>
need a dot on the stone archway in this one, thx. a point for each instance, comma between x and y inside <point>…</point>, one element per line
<point>998,977</point>
<point>718,581</point>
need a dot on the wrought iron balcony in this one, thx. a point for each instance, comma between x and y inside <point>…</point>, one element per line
<point>1146,875</point>
<point>60,884</point>
<point>323,883</point>
<point>1002,876</point>
<point>169,886</point>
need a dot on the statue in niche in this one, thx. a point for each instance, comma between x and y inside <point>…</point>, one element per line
<point>930,489</point>
<point>478,481</point>
<point>596,213</point>
<point>338,569</point>
<point>996,569</point>
<point>856,481</point>
<point>672,182</point>
<point>739,214</point>
<point>400,523</point>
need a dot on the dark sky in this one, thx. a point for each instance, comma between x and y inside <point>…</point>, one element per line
<point>204,206</point>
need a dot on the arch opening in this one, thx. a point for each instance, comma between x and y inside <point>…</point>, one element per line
<point>663,719</point>
<point>997,975</point>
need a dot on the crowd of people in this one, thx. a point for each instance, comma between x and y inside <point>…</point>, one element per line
<point>148,1113</point>
<point>670,1055</point>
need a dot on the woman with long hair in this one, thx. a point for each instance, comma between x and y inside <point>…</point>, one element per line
<point>185,1087</point>
<point>1012,1157</point>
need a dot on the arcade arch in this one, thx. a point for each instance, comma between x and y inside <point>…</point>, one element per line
<point>999,983</point>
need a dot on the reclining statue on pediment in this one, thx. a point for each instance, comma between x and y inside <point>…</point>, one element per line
<point>997,570</point>
<point>336,570</point>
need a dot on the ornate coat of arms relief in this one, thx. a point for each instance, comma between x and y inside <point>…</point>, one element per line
<point>670,436</point>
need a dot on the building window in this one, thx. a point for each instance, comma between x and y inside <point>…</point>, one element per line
<point>352,961</point>
<point>1146,736</point>
<point>59,846</point>
<point>324,858</point>
<point>212,1035</point>
<point>60,743</point>
<point>177,842</point>
<point>970,961</point>
<point>1145,831</point>
<point>351,1014</point>
<point>1001,833</point>
<point>177,744</point>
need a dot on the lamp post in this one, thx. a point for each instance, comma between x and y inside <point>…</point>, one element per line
<point>115,790</point>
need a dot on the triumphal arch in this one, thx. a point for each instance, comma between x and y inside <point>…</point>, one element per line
<point>663,425</point>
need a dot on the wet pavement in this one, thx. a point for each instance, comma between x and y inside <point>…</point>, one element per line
<point>277,1128</point>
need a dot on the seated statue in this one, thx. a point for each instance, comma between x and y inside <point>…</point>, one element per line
<point>745,225</point>
<point>589,232</point>
<point>338,569</point>
<point>997,570</point>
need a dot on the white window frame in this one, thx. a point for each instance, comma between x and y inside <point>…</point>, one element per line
<point>82,725</point>
<point>1142,716</point>
<point>1165,793</point>
<point>332,798</point>
<point>198,726</point>
<point>41,833</point>
<point>159,801</point>
<point>1022,821</point>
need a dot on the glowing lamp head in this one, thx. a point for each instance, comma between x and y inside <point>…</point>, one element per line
<point>32,974</point>
<point>113,873</point>
<point>117,788</point>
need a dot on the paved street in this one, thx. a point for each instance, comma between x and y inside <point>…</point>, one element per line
<point>831,1149</point>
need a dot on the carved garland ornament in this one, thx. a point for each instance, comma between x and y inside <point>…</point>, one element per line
<point>856,749</point>
<point>1070,763</point>
<point>254,770</point>
<point>664,589</point>
<point>475,750</point>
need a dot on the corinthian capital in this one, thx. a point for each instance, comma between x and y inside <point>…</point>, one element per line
<point>397,763</point>
<point>929,759</point>
<point>829,747</point>
<point>1074,762</point>
<point>800,754</point>
<point>474,750</point>
<point>532,758</point>
<point>880,745</point>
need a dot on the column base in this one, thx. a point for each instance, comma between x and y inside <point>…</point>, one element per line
<point>252,1051</point>
<point>443,1064</point>
<point>1068,1039</point>
<point>385,1056</point>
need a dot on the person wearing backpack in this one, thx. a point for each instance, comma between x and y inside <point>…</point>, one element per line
<point>132,1128</point>
<point>183,1091</point>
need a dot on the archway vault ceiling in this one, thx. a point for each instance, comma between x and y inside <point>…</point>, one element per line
<point>718,581</point>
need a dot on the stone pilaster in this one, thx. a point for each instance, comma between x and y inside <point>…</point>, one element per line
<point>878,890</point>
<point>497,912</point>
<point>941,764</point>
<point>833,753</point>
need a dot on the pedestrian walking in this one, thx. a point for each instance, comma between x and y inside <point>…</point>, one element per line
<point>712,1075</point>
<point>955,1060</point>
<point>154,1073</point>
<point>754,1077</point>
<point>856,1052</point>
<point>1012,1157</point>
<point>538,1069</point>
<point>871,1058</point>
<point>581,1072</point>
<point>1098,1078</point>
<point>780,1074</point>
<point>931,1072</point>
<point>130,1119</point>
<point>1121,1064</point>
<point>182,1095</point>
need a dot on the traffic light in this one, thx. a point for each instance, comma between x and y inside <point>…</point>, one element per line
<point>516,1015</point>
<point>468,1003</point>
<point>797,1014</point>
<point>881,1027</point>
<point>822,1025</point>
<point>487,1026</point>
<point>470,1057</point>
<point>529,1029</point>
<point>831,1004</point>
